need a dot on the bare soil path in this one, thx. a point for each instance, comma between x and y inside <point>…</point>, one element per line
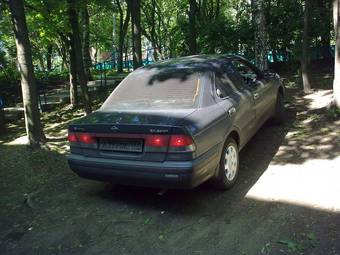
<point>285,202</point>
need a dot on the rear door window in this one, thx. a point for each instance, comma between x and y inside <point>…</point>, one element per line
<point>226,83</point>
<point>246,71</point>
<point>223,86</point>
<point>156,88</point>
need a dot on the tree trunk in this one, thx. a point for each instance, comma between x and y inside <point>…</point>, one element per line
<point>49,58</point>
<point>305,50</point>
<point>73,74</point>
<point>153,30</point>
<point>261,35</point>
<point>192,40</point>
<point>127,56</point>
<point>336,83</point>
<point>34,127</point>
<point>325,11</point>
<point>63,50</point>
<point>41,62</point>
<point>81,76</point>
<point>86,42</point>
<point>123,28</point>
<point>136,33</point>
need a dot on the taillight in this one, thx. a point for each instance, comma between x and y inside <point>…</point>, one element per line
<point>157,141</point>
<point>86,138</point>
<point>171,143</point>
<point>181,143</point>
<point>72,138</point>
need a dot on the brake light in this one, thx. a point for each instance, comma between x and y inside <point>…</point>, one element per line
<point>156,141</point>
<point>72,138</point>
<point>86,138</point>
<point>180,141</point>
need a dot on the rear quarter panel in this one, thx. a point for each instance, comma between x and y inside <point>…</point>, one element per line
<point>208,127</point>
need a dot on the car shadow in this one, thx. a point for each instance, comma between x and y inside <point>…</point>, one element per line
<point>254,160</point>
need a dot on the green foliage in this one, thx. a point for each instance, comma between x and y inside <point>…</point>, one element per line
<point>53,76</point>
<point>101,25</point>
<point>222,27</point>
<point>9,75</point>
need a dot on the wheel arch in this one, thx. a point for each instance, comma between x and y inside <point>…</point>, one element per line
<point>236,136</point>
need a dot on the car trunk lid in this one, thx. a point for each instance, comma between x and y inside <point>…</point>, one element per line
<point>127,135</point>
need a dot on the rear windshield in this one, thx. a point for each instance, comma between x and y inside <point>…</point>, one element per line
<point>156,88</point>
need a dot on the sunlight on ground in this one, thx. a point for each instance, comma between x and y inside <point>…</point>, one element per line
<point>315,183</point>
<point>58,144</point>
<point>319,99</point>
<point>22,140</point>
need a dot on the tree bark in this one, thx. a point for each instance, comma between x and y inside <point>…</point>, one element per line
<point>192,40</point>
<point>305,50</point>
<point>152,25</point>
<point>81,76</point>
<point>325,12</point>
<point>41,62</point>
<point>136,33</point>
<point>73,74</point>
<point>49,58</point>
<point>261,35</point>
<point>86,41</point>
<point>33,125</point>
<point>63,50</point>
<point>336,82</point>
<point>123,28</point>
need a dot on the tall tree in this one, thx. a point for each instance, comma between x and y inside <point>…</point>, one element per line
<point>135,9</point>
<point>305,49</point>
<point>324,7</point>
<point>72,72</point>
<point>261,36</point>
<point>192,39</point>
<point>150,10</point>
<point>49,57</point>
<point>86,40</point>
<point>34,127</point>
<point>81,76</point>
<point>336,82</point>
<point>123,28</point>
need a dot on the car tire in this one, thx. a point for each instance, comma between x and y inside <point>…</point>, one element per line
<point>280,114</point>
<point>228,166</point>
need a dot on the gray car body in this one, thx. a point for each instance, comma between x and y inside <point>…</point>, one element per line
<point>238,114</point>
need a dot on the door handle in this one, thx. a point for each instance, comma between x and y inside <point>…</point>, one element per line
<point>256,96</point>
<point>231,111</point>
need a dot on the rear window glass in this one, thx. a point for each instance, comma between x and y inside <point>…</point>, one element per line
<point>156,88</point>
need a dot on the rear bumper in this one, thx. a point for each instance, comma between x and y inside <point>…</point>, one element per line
<point>168,174</point>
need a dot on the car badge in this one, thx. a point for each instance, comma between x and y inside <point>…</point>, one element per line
<point>114,128</point>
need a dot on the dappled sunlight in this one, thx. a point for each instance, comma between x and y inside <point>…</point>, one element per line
<point>319,99</point>
<point>315,184</point>
<point>280,200</point>
<point>55,128</point>
<point>305,169</point>
<point>22,140</point>
<point>315,132</point>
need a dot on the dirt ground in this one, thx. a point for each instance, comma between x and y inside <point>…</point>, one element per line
<point>46,209</point>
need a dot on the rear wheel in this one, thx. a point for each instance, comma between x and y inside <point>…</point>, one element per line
<point>228,167</point>
<point>280,111</point>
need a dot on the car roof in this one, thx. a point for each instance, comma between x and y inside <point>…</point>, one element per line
<point>198,63</point>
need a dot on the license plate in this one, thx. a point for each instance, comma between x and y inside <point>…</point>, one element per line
<point>121,145</point>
